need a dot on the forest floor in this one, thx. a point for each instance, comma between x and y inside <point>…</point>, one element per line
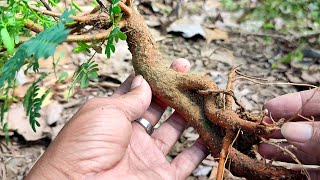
<point>187,30</point>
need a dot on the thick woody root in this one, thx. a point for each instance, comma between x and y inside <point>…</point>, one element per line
<point>230,134</point>
<point>181,92</point>
<point>244,166</point>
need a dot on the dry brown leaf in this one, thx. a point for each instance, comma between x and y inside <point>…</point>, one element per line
<point>19,122</point>
<point>215,34</point>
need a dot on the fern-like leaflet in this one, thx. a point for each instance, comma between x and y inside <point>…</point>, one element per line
<point>116,33</point>
<point>32,103</point>
<point>41,46</point>
<point>87,70</point>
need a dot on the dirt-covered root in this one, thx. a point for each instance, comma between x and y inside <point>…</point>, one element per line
<point>230,120</point>
<point>181,92</point>
<point>244,166</point>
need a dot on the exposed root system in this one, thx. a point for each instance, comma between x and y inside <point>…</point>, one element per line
<point>197,99</point>
<point>201,103</point>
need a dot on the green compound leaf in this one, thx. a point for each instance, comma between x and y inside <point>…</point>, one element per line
<point>82,47</point>
<point>64,18</point>
<point>32,103</point>
<point>46,42</point>
<point>86,71</point>
<point>6,131</point>
<point>115,35</point>
<point>7,40</point>
<point>41,46</point>
<point>116,9</point>
<point>122,35</point>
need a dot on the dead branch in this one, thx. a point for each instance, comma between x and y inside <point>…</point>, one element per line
<point>33,26</point>
<point>93,37</point>
<point>46,5</point>
<point>87,19</point>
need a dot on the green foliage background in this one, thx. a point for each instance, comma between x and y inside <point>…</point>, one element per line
<point>298,15</point>
<point>17,54</point>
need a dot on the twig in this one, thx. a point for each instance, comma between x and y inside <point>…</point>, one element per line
<point>48,8</point>
<point>77,38</point>
<point>93,37</point>
<point>95,9</point>
<point>46,5</point>
<point>102,7</point>
<point>230,84</point>
<point>129,3</point>
<point>85,19</point>
<point>251,77</point>
<point>29,24</point>
<point>277,83</point>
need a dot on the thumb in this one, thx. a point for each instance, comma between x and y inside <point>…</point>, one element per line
<point>137,100</point>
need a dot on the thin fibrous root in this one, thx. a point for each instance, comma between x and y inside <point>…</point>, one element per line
<point>289,153</point>
<point>230,93</point>
<point>311,119</point>
<point>277,83</point>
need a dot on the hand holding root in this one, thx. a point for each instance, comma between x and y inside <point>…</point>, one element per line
<point>301,112</point>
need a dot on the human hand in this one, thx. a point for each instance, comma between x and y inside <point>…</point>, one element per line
<point>102,141</point>
<point>303,134</point>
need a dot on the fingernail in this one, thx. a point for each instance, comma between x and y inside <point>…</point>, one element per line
<point>297,132</point>
<point>136,81</point>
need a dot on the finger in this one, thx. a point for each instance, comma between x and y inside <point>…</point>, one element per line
<point>189,159</point>
<point>156,109</point>
<point>304,135</point>
<point>271,152</point>
<point>181,65</point>
<point>306,103</point>
<point>169,132</point>
<point>314,173</point>
<point>135,102</point>
<point>125,86</point>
